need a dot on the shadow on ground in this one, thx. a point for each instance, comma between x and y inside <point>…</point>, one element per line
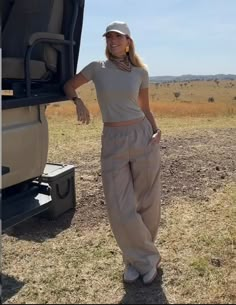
<point>10,287</point>
<point>137,293</point>
<point>39,229</point>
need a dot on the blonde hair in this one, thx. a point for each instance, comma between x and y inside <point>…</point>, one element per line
<point>133,57</point>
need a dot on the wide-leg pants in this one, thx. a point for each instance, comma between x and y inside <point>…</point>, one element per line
<point>131,182</point>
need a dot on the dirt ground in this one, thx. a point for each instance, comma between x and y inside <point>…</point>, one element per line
<point>194,166</point>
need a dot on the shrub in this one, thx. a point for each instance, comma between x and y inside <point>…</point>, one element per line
<point>176,94</point>
<point>211,99</point>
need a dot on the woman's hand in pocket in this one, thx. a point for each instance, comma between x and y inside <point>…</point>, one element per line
<point>156,137</point>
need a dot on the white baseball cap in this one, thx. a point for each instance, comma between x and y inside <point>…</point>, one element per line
<point>119,27</point>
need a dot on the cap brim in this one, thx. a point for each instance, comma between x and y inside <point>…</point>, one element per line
<point>117,31</point>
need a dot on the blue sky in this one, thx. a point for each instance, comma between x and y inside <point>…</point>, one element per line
<point>173,37</point>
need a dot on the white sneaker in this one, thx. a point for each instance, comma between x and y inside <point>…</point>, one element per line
<point>150,276</point>
<point>130,274</point>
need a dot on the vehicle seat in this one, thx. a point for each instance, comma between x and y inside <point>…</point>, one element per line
<point>27,21</point>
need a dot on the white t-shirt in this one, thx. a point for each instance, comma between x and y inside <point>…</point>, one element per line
<point>117,90</point>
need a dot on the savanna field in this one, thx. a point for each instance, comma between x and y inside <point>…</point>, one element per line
<point>75,259</point>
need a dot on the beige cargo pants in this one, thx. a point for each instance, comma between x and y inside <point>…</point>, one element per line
<point>131,183</point>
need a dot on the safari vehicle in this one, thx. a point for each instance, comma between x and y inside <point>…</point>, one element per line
<point>40,49</point>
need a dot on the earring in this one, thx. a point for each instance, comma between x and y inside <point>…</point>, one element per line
<point>127,49</point>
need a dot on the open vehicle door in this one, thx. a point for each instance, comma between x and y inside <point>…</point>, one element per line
<point>40,50</point>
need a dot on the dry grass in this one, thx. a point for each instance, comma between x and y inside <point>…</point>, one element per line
<point>182,109</point>
<point>58,124</point>
<point>195,91</point>
<point>197,243</point>
<point>198,246</point>
<point>164,109</point>
<point>193,100</point>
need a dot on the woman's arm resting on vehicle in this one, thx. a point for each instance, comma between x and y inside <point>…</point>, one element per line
<point>73,84</point>
<point>70,88</point>
<point>144,105</point>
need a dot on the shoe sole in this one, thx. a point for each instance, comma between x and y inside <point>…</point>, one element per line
<point>151,280</point>
<point>155,274</point>
<point>130,282</point>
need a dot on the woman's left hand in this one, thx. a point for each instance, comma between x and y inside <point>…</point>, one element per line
<point>156,138</point>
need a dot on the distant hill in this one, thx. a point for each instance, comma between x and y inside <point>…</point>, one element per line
<point>190,77</point>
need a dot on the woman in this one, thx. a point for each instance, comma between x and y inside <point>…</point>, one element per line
<point>130,155</point>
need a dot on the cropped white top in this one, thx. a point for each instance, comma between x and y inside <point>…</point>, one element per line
<point>117,90</point>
